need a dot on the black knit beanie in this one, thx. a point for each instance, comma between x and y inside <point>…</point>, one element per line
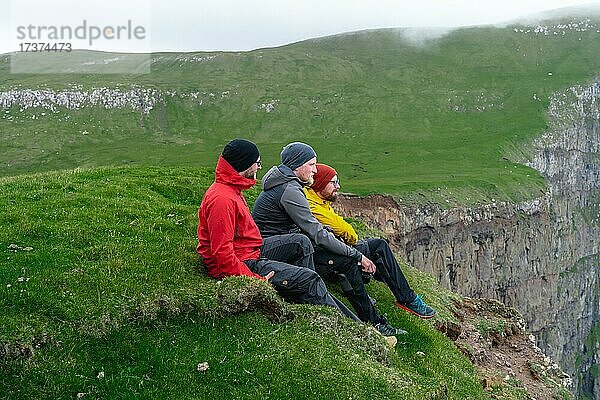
<point>240,154</point>
<point>295,154</point>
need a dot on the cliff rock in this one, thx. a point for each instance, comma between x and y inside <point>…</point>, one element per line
<point>540,257</point>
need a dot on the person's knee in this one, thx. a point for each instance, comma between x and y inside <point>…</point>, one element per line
<point>380,248</point>
<point>378,243</point>
<point>303,242</point>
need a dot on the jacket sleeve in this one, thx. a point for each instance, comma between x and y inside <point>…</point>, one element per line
<point>340,227</point>
<point>295,204</point>
<point>221,228</point>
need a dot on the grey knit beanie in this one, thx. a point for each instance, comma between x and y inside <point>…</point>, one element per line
<point>295,154</point>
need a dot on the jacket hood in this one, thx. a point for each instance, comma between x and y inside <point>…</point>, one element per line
<point>311,195</point>
<point>226,174</point>
<point>278,175</point>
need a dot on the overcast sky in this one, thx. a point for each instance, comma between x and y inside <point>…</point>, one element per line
<point>208,25</point>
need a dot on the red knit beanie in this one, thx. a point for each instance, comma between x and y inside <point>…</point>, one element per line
<point>323,176</point>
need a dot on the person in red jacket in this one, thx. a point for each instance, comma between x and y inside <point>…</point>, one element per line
<point>231,245</point>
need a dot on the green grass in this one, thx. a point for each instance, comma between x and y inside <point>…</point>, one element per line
<point>102,293</point>
<point>105,277</point>
<point>391,116</point>
<point>592,346</point>
<point>488,327</point>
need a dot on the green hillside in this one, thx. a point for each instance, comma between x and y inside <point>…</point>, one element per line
<point>102,296</point>
<point>101,292</point>
<point>451,115</point>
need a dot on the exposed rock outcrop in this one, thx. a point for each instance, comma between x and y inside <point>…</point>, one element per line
<point>541,256</point>
<point>494,338</point>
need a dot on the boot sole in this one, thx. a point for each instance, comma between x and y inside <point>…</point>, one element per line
<point>402,306</point>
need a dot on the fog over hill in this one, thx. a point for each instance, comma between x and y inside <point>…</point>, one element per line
<point>486,137</point>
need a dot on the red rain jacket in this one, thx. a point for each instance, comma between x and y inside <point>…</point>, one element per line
<point>227,234</point>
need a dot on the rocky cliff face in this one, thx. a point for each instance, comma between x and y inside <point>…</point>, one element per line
<point>541,257</point>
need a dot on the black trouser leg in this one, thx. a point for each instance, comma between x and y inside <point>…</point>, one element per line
<point>293,248</point>
<point>388,270</point>
<point>296,284</point>
<point>332,266</point>
<point>345,310</point>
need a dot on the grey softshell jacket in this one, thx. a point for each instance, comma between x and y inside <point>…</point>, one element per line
<point>282,208</point>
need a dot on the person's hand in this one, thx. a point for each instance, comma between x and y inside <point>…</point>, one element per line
<point>367,265</point>
<point>269,276</point>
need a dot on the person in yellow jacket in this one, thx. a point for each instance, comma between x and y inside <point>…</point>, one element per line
<point>320,195</point>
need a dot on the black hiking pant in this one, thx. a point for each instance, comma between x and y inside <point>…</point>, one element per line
<point>347,271</point>
<point>388,270</point>
<point>293,248</point>
<point>291,258</point>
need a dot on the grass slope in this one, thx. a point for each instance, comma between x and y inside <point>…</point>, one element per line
<point>453,113</point>
<point>101,297</point>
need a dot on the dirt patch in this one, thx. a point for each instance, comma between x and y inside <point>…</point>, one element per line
<point>22,349</point>
<point>508,362</point>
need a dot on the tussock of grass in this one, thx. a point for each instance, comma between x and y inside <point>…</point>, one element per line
<point>236,295</point>
<point>103,295</point>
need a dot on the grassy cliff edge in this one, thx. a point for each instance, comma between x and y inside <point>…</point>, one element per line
<point>103,296</point>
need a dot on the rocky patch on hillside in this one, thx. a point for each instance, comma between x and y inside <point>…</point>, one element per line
<point>507,360</point>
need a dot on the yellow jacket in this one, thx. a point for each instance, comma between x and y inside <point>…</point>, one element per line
<point>325,214</point>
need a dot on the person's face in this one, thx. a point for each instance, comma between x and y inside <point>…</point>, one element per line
<point>250,173</point>
<point>330,191</point>
<point>307,170</point>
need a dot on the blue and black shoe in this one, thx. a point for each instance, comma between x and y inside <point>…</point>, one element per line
<point>417,307</point>
<point>388,330</point>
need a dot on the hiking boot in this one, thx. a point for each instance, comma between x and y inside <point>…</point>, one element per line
<point>387,330</point>
<point>417,307</point>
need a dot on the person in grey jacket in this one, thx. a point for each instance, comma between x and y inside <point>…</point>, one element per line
<point>282,208</point>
